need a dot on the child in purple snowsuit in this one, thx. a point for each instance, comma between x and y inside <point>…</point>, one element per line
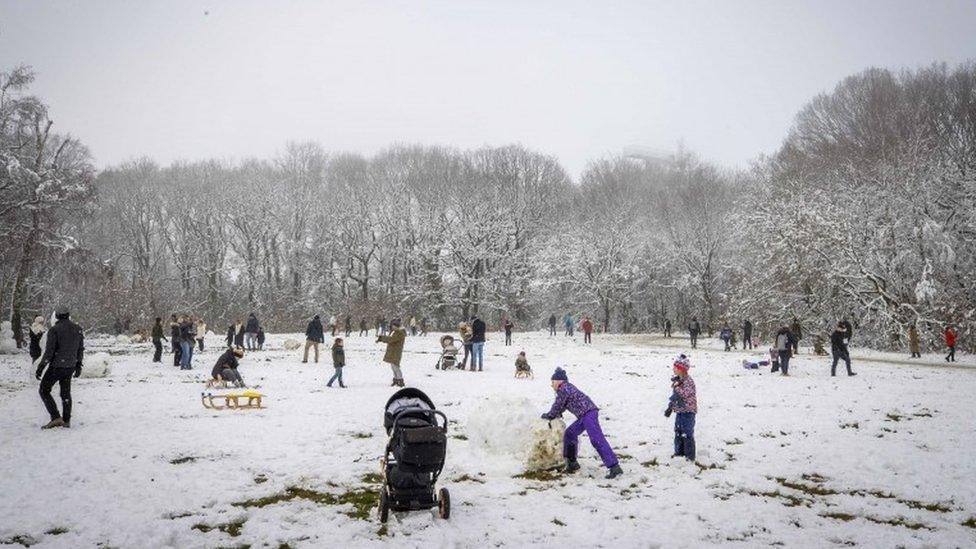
<point>568,397</point>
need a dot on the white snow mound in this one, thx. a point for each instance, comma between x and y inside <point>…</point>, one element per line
<point>7,343</point>
<point>96,365</point>
<point>505,428</point>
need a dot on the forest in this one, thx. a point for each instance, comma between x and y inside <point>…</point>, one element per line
<point>866,211</point>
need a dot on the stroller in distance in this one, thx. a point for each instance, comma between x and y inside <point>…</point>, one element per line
<point>414,456</point>
<point>449,353</point>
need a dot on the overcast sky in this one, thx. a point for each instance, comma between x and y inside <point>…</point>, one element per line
<point>190,80</point>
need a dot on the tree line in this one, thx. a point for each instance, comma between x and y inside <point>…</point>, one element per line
<point>865,212</point>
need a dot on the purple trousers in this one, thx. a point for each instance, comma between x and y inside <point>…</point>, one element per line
<point>590,422</point>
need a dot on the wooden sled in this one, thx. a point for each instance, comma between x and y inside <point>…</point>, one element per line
<point>239,401</point>
<point>524,374</point>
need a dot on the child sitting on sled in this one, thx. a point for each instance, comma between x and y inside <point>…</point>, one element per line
<point>568,397</point>
<point>684,404</point>
<point>225,370</point>
<point>338,361</point>
<point>522,368</point>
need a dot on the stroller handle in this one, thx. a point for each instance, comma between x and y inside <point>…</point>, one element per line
<point>431,414</point>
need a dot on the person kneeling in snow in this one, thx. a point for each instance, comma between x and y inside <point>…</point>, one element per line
<point>568,397</point>
<point>683,403</point>
<point>226,367</point>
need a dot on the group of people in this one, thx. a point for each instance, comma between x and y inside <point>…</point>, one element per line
<point>584,324</point>
<point>186,333</point>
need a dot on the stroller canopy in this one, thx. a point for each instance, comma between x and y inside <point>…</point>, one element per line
<point>405,399</point>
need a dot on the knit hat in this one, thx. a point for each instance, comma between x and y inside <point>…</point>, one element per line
<point>559,375</point>
<point>682,363</point>
<point>61,312</point>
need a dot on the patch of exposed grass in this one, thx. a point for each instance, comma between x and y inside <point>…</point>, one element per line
<point>546,475</point>
<point>19,539</point>
<point>174,516</point>
<point>372,478</point>
<point>260,479</point>
<point>969,523</point>
<point>789,500</point>
<point>652,463</point>
<point>558,522</point>
<point>733,442</point>
<point>852,425</point>
<point>57,531</point>
<point>711,466</point>
<point>899,521</point>
<point>382,532</point>
<point>183,459</point>
<point>232,528</point>
<point>468,478</point>
<point>891,416</point>
<point>362,501</point>
<point>362,435</point>
<point>460,437</point>
<point>838,516</point>
<point>937,507</point>
<point>809,489</point>
<point>814,478</point>
<point>622,456</point>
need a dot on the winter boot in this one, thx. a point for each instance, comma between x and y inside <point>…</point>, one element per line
<point>615,472</point>
<point>56,422</point>
<point>571,466</point>
<point>394,384</point>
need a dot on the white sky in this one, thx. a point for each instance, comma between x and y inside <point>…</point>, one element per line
<point>578,80</point>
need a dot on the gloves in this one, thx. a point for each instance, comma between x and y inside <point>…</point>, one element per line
<point>667,413</point>
<point>39,372</point>
<point>78,370</point>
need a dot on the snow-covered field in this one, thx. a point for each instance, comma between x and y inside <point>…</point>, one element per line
<point>880,460</point>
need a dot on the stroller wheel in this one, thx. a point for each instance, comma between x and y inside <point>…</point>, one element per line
<point>384,505</point>
<point>444,504</point>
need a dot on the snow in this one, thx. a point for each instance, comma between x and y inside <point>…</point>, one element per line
<point>878,460</point>
<point>7,343</point>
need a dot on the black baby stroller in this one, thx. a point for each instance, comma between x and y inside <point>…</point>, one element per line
<point>414,455</point>
<point>449,353</point>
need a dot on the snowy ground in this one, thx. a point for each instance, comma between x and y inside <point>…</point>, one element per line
<point>879,460</point>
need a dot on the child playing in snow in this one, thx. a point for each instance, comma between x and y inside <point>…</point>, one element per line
<point>338,361</point>
<point>684,404</point>
<point>568,397</point>
<point>522,368</point>
<point>225,370</point>
<point>774,359</point>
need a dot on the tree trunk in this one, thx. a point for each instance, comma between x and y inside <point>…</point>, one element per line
<point>20,283</point>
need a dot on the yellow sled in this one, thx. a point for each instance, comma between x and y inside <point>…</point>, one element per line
<point>238,401</point>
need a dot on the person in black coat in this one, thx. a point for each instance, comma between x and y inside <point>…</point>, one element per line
<point>849,329</point>
<point>251,332</point>
<point>667,327</point>
<point>63,356</point>
<point>747,334</point>
<point>477,343</point>
<point>314,336</point>
<point>231,334</point>
<point>552,325</point>
<point>694,328</point>
<point>226,367</point>
<point>157,339</point>
<point>174,339</point>
<point>838,348</point>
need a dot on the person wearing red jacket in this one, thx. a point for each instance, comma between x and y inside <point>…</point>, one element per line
<point>587,326</point>
<point>950,341</point>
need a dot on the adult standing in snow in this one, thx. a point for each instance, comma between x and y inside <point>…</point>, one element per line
<point>746,334</point>
<point>394,350</point>
<point>568,324</point>
<point>363,330</point>
<point>239,332</point>
<point>231,333</point>
<point>694,328</point>
<point>251,332</point>
<point>667,327</point>
<point>478,329</point>
<point>348,325</point>
<point>157,339</point>
<point>913,342</point>
<point>35,334</point>
<point>63,356</point>
<point>571,399</point>
<point>508,325</point>
<point>174,339</point>
<point>552,325</point>
<point>413,325</point>
<point>726,336</point>
<point>423,326</point>
<point>201,329</point>
<point>950,340</point>
<point>797,332</point>
<point>784,345</point>
<point>314,336</point>
<point>465,331</point>
<point>187,341</point>
<point>332,324</point>
<point>838,348</point>
<point>587,326</point>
